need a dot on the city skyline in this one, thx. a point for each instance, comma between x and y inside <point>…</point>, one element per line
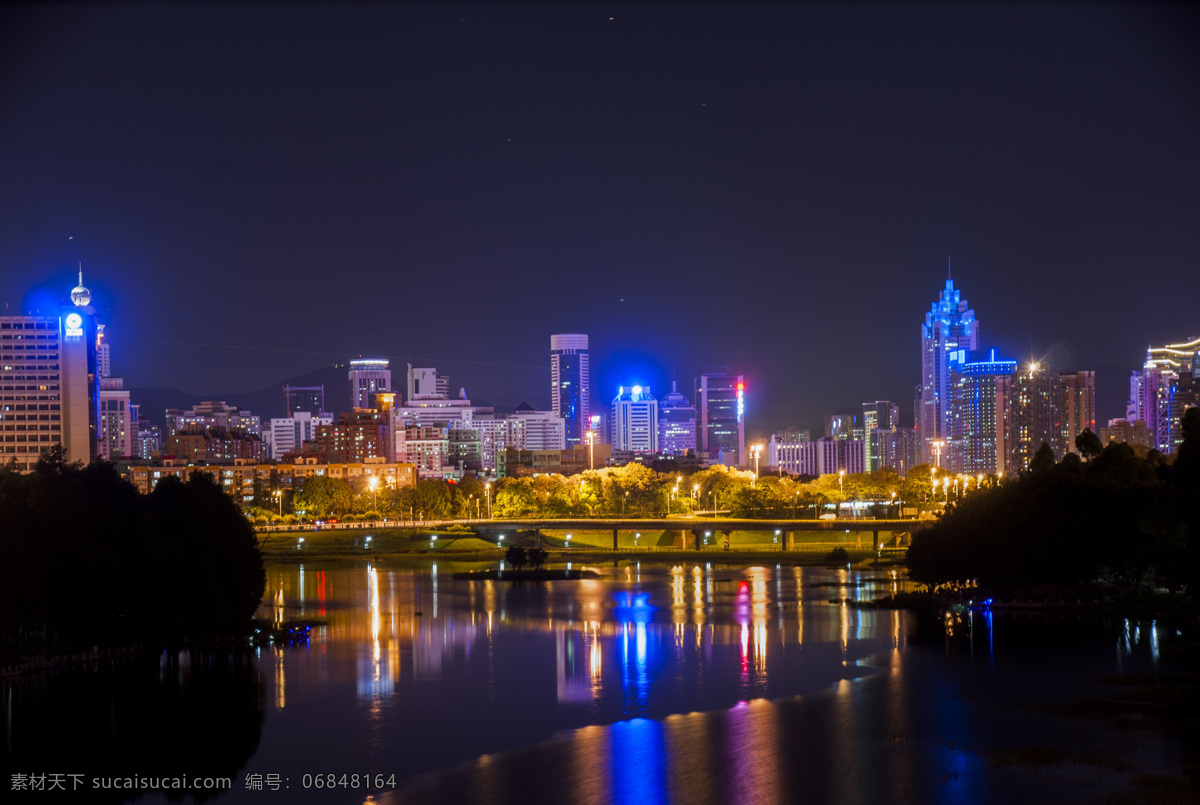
<point>768,187</point>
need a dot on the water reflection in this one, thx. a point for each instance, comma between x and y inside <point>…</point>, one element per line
<point>180,712</point>
<point>692,683</point>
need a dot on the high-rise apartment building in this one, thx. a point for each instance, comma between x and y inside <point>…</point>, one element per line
<point>49,392</point>
<point>103,349</point>
<point>676,424</point>
<point>895,448</point>
<point>977,442</point>
<point>881,415</point>
<point>570,384</point>
<point>950,330</point>
<point>635,421</point>
<point>356,436</point>
<point>118,426</point>
<point>368,377</point>
<point>542,430</point>
<point>720,408</point>
<point>1079,404</point>
<point>1035,415</point>
<point>288,434</point>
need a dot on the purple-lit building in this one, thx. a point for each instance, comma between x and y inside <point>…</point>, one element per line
<point>676,424</point>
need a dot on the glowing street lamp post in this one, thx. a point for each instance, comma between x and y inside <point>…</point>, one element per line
<point>755,450</point>
<point>373,483</point>
<point>591,442</point>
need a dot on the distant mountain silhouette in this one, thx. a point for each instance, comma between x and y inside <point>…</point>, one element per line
<point>266,402</point>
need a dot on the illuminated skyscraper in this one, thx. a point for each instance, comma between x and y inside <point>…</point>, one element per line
<point>368,377</point>
<point>635,421</point>
<point>118,423</point>
<point>950,330</point>
<point>720,408</point>
<point>676,424</point>
<point>48,383</point>
<point>1163,390</point>
<point>979,398</point>
<point>570,384</point>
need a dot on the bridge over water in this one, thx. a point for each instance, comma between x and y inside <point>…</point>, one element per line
<point>702,527</point>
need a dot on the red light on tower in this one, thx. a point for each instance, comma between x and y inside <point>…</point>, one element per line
<point>741,386</point>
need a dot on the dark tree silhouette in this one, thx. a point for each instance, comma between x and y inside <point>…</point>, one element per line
<point>1088,444</point>
<point>1117,519</point>
<point>515,556</point>
<point>1043,460</point>
<point>85,560</point>
<point>537,557</point>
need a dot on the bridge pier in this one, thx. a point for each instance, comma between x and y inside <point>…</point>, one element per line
<point>789,540</point>
<point>614,539</point>
<point>875,540</point>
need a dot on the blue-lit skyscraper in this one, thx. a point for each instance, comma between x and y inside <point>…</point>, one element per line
<point>950,330</point>
<point>571,384</point>
<point>977,441</point>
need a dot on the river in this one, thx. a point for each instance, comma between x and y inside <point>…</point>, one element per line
<point>653,683</point>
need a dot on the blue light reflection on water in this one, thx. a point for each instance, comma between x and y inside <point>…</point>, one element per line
<point>723,684</point>
<point>638,762</point>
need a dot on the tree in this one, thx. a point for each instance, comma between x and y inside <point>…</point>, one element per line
<point>1043,460</point>
<point>515,556</point>
<point>537,557</point>
<point>1088,444</point>
<point>432,498</point>
<point>322,496</point>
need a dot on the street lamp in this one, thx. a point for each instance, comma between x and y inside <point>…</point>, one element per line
<point>591,441</point>
<point>755,450</point>
<point>937,452</point>
<point>278,493</point>
<point>373,482</point>
<point>488,488</point>
<point>624,500</point>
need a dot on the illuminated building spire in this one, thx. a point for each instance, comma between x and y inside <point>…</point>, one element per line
<point>80,295</point>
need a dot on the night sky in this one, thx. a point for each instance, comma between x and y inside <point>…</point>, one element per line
<point>256,191</point>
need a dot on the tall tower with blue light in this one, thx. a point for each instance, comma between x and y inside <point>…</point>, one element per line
<point>949,333</point>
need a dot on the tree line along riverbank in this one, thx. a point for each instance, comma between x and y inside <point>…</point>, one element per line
<point>1114,526</point>
<point>87,561</point>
